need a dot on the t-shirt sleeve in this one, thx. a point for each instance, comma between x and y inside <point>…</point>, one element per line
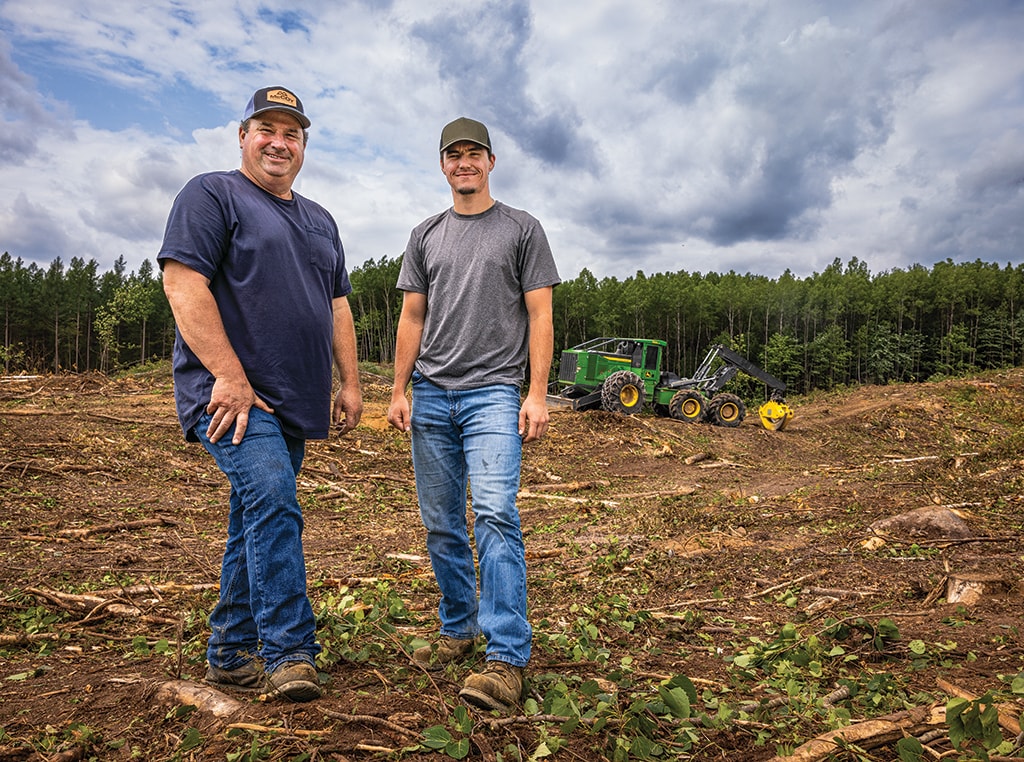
<point>411,276</point>
<point>538,268</point>
<point>197,230</point>
<point>342,284</point>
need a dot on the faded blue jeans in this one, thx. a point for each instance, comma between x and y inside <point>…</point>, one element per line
<point>263,608</point>
<point>461,438</point>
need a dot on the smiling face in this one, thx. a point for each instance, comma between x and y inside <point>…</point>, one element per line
<point>467,166</point>
<point>273,147</point>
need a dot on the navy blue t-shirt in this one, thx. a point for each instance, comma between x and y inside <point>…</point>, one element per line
<point>275,267</point>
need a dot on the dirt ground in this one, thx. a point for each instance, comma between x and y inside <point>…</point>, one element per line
<point>719,535</point>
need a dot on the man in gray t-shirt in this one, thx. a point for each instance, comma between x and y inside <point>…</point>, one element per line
<point>477,309</point>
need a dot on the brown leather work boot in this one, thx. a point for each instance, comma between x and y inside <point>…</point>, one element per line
<point>443,652</point>
<point>499,686</point>
<point>295,680</point>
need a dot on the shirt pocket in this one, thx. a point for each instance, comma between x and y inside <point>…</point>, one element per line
<point>322,253</point>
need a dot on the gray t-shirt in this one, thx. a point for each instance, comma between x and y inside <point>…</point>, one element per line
<point>474,270</point>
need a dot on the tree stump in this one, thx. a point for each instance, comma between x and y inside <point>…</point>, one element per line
<point>969,588</point>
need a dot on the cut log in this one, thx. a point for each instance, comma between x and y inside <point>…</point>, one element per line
<point>869,734</point>
<point>207,700</point>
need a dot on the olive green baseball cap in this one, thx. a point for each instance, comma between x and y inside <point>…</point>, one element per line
<point>465,129</point>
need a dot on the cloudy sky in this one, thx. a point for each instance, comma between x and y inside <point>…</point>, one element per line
<point>653,135</point>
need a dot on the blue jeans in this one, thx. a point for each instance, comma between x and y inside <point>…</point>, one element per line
<point>462,438</point>
<point>263,608</point>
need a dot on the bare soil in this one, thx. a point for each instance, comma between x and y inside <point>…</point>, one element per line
<point>721,534</point>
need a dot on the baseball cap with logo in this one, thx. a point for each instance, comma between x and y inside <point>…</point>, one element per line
<point>276,99</point>
<point>465,129</point>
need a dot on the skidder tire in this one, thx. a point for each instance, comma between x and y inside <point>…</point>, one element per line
<point>622,392</point>
<point>727,410</point>
<point>688,405</point>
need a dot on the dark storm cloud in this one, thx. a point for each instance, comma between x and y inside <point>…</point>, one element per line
<point>815,104</point>
<point>690,73</point>
<point>480,55</point>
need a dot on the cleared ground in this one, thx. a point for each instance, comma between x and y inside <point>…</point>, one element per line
<point>656,549</point>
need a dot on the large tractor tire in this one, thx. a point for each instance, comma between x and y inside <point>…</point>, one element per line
<point>622,392</point>
<point>688,405</point>
<point>726,410</point>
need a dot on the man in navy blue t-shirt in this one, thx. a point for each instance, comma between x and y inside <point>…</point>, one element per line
<point>256,278</point>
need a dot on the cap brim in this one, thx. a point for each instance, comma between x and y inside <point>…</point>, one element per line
<point>450,143</point>
<point>303,119</point>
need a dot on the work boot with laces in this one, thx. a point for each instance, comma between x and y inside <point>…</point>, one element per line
<point>499,686</point>
<point>442,652</point>
<point>296,680</point>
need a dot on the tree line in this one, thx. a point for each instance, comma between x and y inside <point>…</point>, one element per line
<point>841,326</point>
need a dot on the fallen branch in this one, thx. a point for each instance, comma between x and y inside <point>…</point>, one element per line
<point>840,693</point>
<point>660,493</point>
<point>570,486</point>
<point>383,477</point>
<point>369,719</point>
<point>156,590</point>
<point>869,734</point>
<point>375,749</point>
<point>336,494</point>
<point>912,460</point>
<point>782,585</point>
<point>93,605</point>
<point>532,719</point>
<point>118,526</point>
<point>946,542</point>
<point>661,614</point>
<point>545,553</point>
<point>57,470</point>
<point>277,730</point>
<point>89,603</point>
<point>24,638</point>
<point>526,495</point>
<point>134,421</point>
<point>838,593</point>
<point>697,458</point>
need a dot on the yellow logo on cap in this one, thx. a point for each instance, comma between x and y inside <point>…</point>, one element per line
<point>283,97</point>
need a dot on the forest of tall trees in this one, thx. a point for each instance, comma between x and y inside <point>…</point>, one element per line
<point>841,326</point>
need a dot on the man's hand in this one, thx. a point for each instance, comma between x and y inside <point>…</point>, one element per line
<point>230,402</point>
<point>399,412</point>
<point>533,419</point>
<point>348,408</point>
